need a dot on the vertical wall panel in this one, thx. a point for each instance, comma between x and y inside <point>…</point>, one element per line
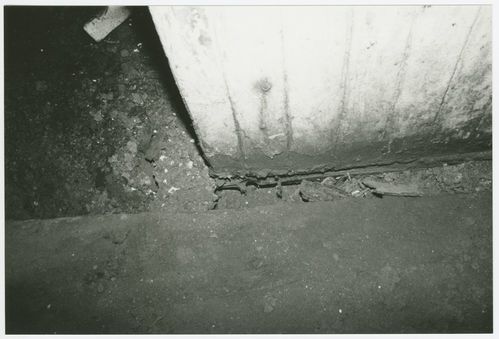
<point>311,88</point>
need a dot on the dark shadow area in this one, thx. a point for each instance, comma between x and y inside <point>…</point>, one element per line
<point>81,117</point>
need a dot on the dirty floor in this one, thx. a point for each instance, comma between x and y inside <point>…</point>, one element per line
<point>389,265</point>
<point>94,128</point>
<point>97,132</point>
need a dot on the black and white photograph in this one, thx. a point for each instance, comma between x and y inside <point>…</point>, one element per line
<point>269,168</point>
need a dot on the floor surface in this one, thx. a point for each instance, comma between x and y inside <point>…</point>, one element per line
<point>388,265</point>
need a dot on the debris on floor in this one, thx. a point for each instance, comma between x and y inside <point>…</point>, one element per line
<point>384,188</point>
<point>269,303</point>
<point>469,177</point>
<point>314,191</point>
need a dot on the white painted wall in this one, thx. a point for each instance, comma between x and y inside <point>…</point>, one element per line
<point>265,81</point>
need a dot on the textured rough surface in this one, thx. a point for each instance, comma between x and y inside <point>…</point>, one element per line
<point>468,177</point>
<point>351,266</point>
<point>303,88</point>
<point>94,128</point>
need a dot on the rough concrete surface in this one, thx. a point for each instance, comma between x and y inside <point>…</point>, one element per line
<point>94,128</point>
<point>390,265</point>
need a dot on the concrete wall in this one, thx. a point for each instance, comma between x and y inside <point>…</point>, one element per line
<point>274,89</point>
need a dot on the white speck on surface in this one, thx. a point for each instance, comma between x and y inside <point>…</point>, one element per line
<point>136,50</point>
<point>276,135</point>
<point>379,286</point>
<point>173,189</point>
<point>49,306</point>
<point>340,310</point>
<point>189,164</point>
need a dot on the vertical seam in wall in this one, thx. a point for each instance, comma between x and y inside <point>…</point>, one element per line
<point>400,79</point>
<point>288,123</point>
<point>262,125</point>
<point>344,78</point>
<point>237,125</point>
<point>454,71</point>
